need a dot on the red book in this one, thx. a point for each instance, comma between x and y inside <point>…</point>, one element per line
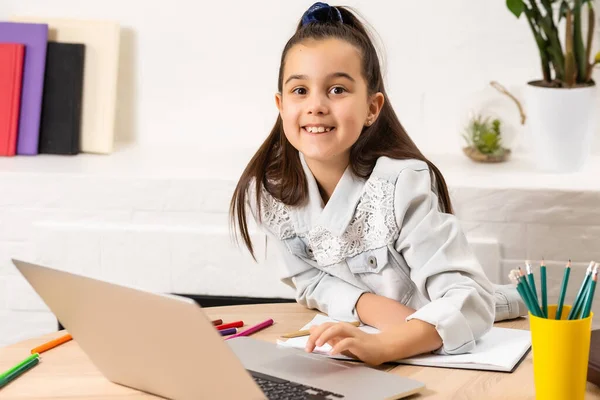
<point>11,78</point>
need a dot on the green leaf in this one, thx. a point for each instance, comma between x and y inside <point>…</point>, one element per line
<point>516,7</point>
<point>496,126</point>
<point>597,58</point>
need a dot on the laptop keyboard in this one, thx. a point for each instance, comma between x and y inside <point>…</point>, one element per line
<point>281,389</point>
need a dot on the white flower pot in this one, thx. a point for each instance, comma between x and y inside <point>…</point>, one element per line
<point>561,125</point>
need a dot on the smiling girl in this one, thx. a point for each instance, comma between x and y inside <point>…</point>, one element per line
<point>363,220</point>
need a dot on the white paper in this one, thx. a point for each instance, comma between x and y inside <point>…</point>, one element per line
<point>499,349</point>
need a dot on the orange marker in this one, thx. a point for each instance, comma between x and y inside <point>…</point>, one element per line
<point>51,344</point>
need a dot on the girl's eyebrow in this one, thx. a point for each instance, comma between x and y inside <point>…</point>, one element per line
<point>333,75</point>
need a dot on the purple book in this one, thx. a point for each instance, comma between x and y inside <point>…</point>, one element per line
<point>35,39</point>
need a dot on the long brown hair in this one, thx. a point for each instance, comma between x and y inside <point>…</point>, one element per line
<point>276,165</point>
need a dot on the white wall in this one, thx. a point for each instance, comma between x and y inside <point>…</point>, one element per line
<point>204,73</point>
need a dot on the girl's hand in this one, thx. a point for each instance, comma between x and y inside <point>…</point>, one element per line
<point>348,340</point>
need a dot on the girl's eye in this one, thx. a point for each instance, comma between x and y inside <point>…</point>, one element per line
<point>299,90</point>
<point>337,90</point>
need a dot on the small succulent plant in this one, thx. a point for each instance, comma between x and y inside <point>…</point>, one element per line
<point>484,135</point>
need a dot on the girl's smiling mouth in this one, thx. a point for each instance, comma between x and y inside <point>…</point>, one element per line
<point>317,129</point>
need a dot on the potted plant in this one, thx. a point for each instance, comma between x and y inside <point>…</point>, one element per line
<point>560,106</point>
<point>484,140</point>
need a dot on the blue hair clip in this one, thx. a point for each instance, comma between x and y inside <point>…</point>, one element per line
<point>321,12</point>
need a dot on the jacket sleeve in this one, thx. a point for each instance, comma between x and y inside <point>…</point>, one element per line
<point>442,265</point>
<point>316,288</point>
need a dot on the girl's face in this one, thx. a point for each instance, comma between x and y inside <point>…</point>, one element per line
<point>324,103</point>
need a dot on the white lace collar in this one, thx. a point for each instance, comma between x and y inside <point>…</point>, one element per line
<point>358,217</point>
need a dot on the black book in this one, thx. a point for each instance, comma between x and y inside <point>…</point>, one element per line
<point>60,128</point>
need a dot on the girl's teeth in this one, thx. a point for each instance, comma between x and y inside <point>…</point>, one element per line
<point>320,129</point>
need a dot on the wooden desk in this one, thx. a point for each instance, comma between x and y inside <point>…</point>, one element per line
<point>66,372</point>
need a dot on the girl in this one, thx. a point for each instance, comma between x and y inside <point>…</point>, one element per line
<point>363,220</point>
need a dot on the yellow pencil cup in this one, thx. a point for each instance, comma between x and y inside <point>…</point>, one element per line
<point>561,350</point>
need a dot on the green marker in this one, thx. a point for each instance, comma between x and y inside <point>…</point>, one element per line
<point>19,365</point>
<point>20,369</point>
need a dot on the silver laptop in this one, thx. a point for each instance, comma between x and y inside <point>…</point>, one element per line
<point>166,345</point>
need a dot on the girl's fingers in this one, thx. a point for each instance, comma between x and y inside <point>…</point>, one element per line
<point>315,333</point>
<point>345,344</point>
<point>325,333</point>
<point>356,348</point>
<point>337,330</point>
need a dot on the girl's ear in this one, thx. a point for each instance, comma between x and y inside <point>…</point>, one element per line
<point>278,102</point>
<point>375,105</point>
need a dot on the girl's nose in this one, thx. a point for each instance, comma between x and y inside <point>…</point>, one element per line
<point>317,104</point>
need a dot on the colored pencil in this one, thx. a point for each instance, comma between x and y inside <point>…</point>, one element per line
<point>516,277</point>
<point>531,280</point>
<point>19,369</point>
<point>52,344</point>
<point>513,276</point>
<point>537,311</point>
<point>236,324</point>
<point>581,294</point>
<point>544,287</point>
<point>306,332</point>
<point>252,329</point>
<point>563,290</point>
<point>590,295</point>
<point>229,331</point>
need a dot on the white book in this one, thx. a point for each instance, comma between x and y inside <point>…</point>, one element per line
<point>500,349</point>
<point>101,65</point>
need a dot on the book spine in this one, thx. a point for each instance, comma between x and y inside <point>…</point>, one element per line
<point>15,102</point>
<point>32,92</point>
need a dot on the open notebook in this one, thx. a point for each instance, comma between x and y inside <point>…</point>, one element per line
<point>500,349</point>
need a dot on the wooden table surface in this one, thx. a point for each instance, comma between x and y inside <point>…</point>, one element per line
<point>66,372</point>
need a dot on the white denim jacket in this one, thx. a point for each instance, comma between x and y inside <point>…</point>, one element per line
<point>386,235</point>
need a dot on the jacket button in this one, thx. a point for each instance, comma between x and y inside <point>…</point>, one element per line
<point>372,261</point>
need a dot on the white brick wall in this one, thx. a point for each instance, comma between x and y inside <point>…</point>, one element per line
<point>161,234</point>
<point>166,229</point>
